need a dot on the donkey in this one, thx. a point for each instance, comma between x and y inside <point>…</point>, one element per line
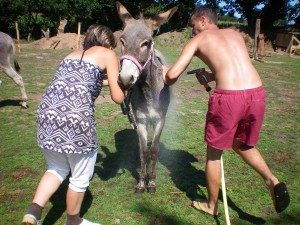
<point>6,44</point>
<point>148,97</point>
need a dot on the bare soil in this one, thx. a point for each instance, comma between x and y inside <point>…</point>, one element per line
<point>60,41</point>
<point>69,40</point>
<point>175,38</point>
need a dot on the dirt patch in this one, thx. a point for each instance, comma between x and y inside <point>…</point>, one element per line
<point>103,98</point>
<point>174,38</point>
<point>69,40</point>
<point>22,173</point>
<point>60,41</point>
<point>36,97</point>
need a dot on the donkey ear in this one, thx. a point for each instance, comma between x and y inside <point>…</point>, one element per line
<point>124,15</point>
<point>162,18</point>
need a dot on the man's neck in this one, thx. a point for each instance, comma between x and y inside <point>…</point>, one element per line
<point>212,27</point>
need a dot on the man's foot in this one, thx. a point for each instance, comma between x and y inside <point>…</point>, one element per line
<point>29,219</point>
<point>202,207</point>
<point>280,196</point>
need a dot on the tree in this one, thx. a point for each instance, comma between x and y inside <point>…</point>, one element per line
<point>268,17</point>
<point>247,9</point>
<point>9,11</point>
<point>293,12</point>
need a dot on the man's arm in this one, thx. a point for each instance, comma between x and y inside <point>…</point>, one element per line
<point>171,76</point>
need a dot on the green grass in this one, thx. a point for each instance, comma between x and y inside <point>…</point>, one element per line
<point>180,170</point>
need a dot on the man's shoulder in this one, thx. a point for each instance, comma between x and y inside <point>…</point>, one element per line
<point>229,30</point>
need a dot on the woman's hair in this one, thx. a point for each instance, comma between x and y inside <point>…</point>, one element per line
<point>209,13</point>
<point>99,35</point>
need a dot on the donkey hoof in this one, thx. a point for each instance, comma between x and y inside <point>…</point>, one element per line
<point>24,106</point>
<point>152,190</point>
<point>139,190</point>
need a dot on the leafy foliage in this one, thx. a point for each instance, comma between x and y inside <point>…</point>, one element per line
<point>34,15</point>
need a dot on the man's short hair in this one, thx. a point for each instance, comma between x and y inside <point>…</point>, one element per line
<point>209,13</point>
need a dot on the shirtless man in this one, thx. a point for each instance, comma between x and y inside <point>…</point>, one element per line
<point>239,96</point>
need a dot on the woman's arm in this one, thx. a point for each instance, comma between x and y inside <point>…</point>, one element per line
<point>112,69</point>
<point>105,80</point>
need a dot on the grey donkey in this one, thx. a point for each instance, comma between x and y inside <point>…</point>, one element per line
<point>148,98</point>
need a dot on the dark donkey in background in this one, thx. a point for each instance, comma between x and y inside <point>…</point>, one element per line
<point>147,95</point>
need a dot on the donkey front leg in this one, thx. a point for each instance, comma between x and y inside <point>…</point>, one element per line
<point>154,149</point>
<point>143,150</point>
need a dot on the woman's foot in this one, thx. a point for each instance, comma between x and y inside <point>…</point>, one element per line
<point>30,219</point>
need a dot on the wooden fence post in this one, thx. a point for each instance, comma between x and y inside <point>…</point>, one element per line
<point>262,47</point>
<point>257,31</point>
<point>18,36</point>
<point>78,35</point>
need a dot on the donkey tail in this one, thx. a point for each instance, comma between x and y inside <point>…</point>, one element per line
<point>17,66</point>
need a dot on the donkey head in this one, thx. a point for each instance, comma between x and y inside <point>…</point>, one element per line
<point>136,43</point>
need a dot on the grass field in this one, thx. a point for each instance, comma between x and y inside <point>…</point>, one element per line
<point>180,171</point>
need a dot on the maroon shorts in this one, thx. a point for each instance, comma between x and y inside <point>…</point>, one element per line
<point>234,114</point>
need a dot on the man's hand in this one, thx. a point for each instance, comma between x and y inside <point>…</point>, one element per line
<point>204,77</point>
<point>164,71</point>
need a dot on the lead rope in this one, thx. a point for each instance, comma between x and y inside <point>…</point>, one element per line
<point>82,56</point>
<point>126,110</point>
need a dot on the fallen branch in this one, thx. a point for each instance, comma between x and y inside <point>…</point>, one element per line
<point>54,44</point>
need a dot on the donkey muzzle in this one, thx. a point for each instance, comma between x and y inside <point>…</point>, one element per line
<point>129,74</point>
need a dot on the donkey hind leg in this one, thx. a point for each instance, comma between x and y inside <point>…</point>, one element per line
<point>154,150</point>
<point>19,81</point>
<point>143,152</point>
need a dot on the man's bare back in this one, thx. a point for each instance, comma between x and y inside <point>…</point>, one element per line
<point>225,53</point>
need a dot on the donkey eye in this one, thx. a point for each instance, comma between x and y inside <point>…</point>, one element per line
<point>145,44</point>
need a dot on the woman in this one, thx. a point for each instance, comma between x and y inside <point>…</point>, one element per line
<point>66,123</point>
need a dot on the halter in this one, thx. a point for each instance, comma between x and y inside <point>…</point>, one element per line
<point>137,63</point>
<point>125,105</point>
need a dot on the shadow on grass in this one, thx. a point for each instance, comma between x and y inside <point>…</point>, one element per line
<point>126,157</point>
<point>185,176</point>
<point>58,201</point>
<point>159,217</point>
<point>286,218</point>
<point>190,180</point>
<point>10,102</point>
<point>178,162</point>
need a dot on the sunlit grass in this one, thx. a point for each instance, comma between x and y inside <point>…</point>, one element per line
<point>180,170</point>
